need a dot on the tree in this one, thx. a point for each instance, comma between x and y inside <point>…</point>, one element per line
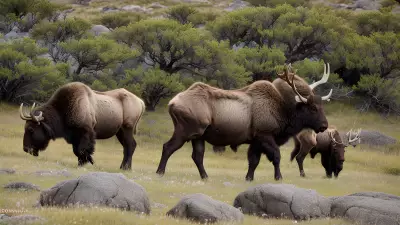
<point>273,3</point>
<point>119,19</point>
<point>152,85</point>
<point>368,22</point>
<point>300,32</point>
<point>261,62</point>
<point>25,13</point>
<point>181,13</point>
<point>52,34</point>
<point>96,53</point>
<point>177,48</point>
<point>24,75</point>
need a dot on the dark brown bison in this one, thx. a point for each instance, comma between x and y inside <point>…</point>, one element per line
<point>328,143</point>
<point>262,114</point>
<point>80,115</point>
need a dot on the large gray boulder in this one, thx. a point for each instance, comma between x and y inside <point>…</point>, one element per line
<point>21,219</point>
<point>368,208</point>
<point>98,188</point>
<point>283,201</point>
<point>202,208</point>
<point>22,186</point>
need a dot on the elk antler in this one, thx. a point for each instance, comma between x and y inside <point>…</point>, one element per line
<point>323,80</point>
<point>334,140</point>
<point>357,137</point>
<point>284,76</point>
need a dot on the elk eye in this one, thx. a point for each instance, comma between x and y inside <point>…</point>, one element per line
<point>30,129</point>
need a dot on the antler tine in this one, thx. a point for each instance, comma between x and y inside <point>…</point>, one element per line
<point>324,78</point>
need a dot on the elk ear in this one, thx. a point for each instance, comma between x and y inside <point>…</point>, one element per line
<point>49,131</point>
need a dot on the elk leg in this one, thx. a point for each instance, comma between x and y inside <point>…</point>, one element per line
<point>253,157</point>
<point>175,143</point>
<point>198,156</point>
<point>296,149</point>
<point>300,158</point>
<point>125,137</point>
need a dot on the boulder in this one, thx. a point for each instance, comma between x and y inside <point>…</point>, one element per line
<point>368,208</point>
<point>237,4</point>
<point>98,189</point>
<point>202,208</point>
<point>21,219</point>
<point>99,29</point>
<point>157,5</point>
<point>283,201</point>
<point>22,186</point>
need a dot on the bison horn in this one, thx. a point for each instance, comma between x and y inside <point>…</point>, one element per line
<point>22,114</point>
<point>323,80</point>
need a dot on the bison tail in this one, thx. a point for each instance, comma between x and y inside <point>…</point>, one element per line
<point>135,129</point>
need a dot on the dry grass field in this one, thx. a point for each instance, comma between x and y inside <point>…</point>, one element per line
<point>365,169</point>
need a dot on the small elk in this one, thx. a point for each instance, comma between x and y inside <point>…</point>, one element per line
<point>80,115</point>
<point>328,143</point>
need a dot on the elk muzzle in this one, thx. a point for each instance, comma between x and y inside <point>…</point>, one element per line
<point>31,151</point>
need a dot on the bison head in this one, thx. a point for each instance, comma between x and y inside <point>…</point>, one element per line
<point>309,109</point>
<point>337,149</point>
<point>37,133</point>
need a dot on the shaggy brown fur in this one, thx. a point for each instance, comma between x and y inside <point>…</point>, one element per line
<point>80,115</point>
<point>328,143</point>
<point>262,114</point>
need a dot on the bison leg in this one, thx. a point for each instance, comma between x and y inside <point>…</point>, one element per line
<point>83,142</point>
<point>175,143</point>
<point>253,157</point>
<point>125,137</point>
<point>325,161</point>
<point>198,156</point>
<point>271,149</point>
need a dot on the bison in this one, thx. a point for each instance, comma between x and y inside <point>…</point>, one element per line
<point>80,115</point>
<point>262,114</point>
<point>328,143</point>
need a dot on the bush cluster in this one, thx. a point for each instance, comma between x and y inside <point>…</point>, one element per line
<point>156,58</point>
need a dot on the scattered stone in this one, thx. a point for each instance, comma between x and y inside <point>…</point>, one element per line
<point>63,172</point>
<point>83,2</point>
<point>192,1</point>
<point>99,29</point>
<point>228,184</point>
<point>98,188</point>
<point>202,208</point>
<point>3,216</point>
<point>368,208</point>
<point>158,205</point>
<point>237,4</point>
<point>135,8</point>
<point>22,219</point>
<point>22,186</point>
<point>367,5</point>
<point>14,35</point>
<point>6,171</point>
<point>283,201</point>
<point>109,9</point>
<point>157,5</point>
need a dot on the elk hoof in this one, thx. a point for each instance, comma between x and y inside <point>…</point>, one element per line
<point>160,173</point>
<point>249,179</point>
<point>125,167</point>
<point>302,174</point>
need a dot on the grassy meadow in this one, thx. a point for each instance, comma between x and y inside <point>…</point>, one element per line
<point>365,169</point>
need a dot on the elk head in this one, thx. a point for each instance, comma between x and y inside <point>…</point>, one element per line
<point>309,108</point>
<point>337,152</point>
<point>37,133</point>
